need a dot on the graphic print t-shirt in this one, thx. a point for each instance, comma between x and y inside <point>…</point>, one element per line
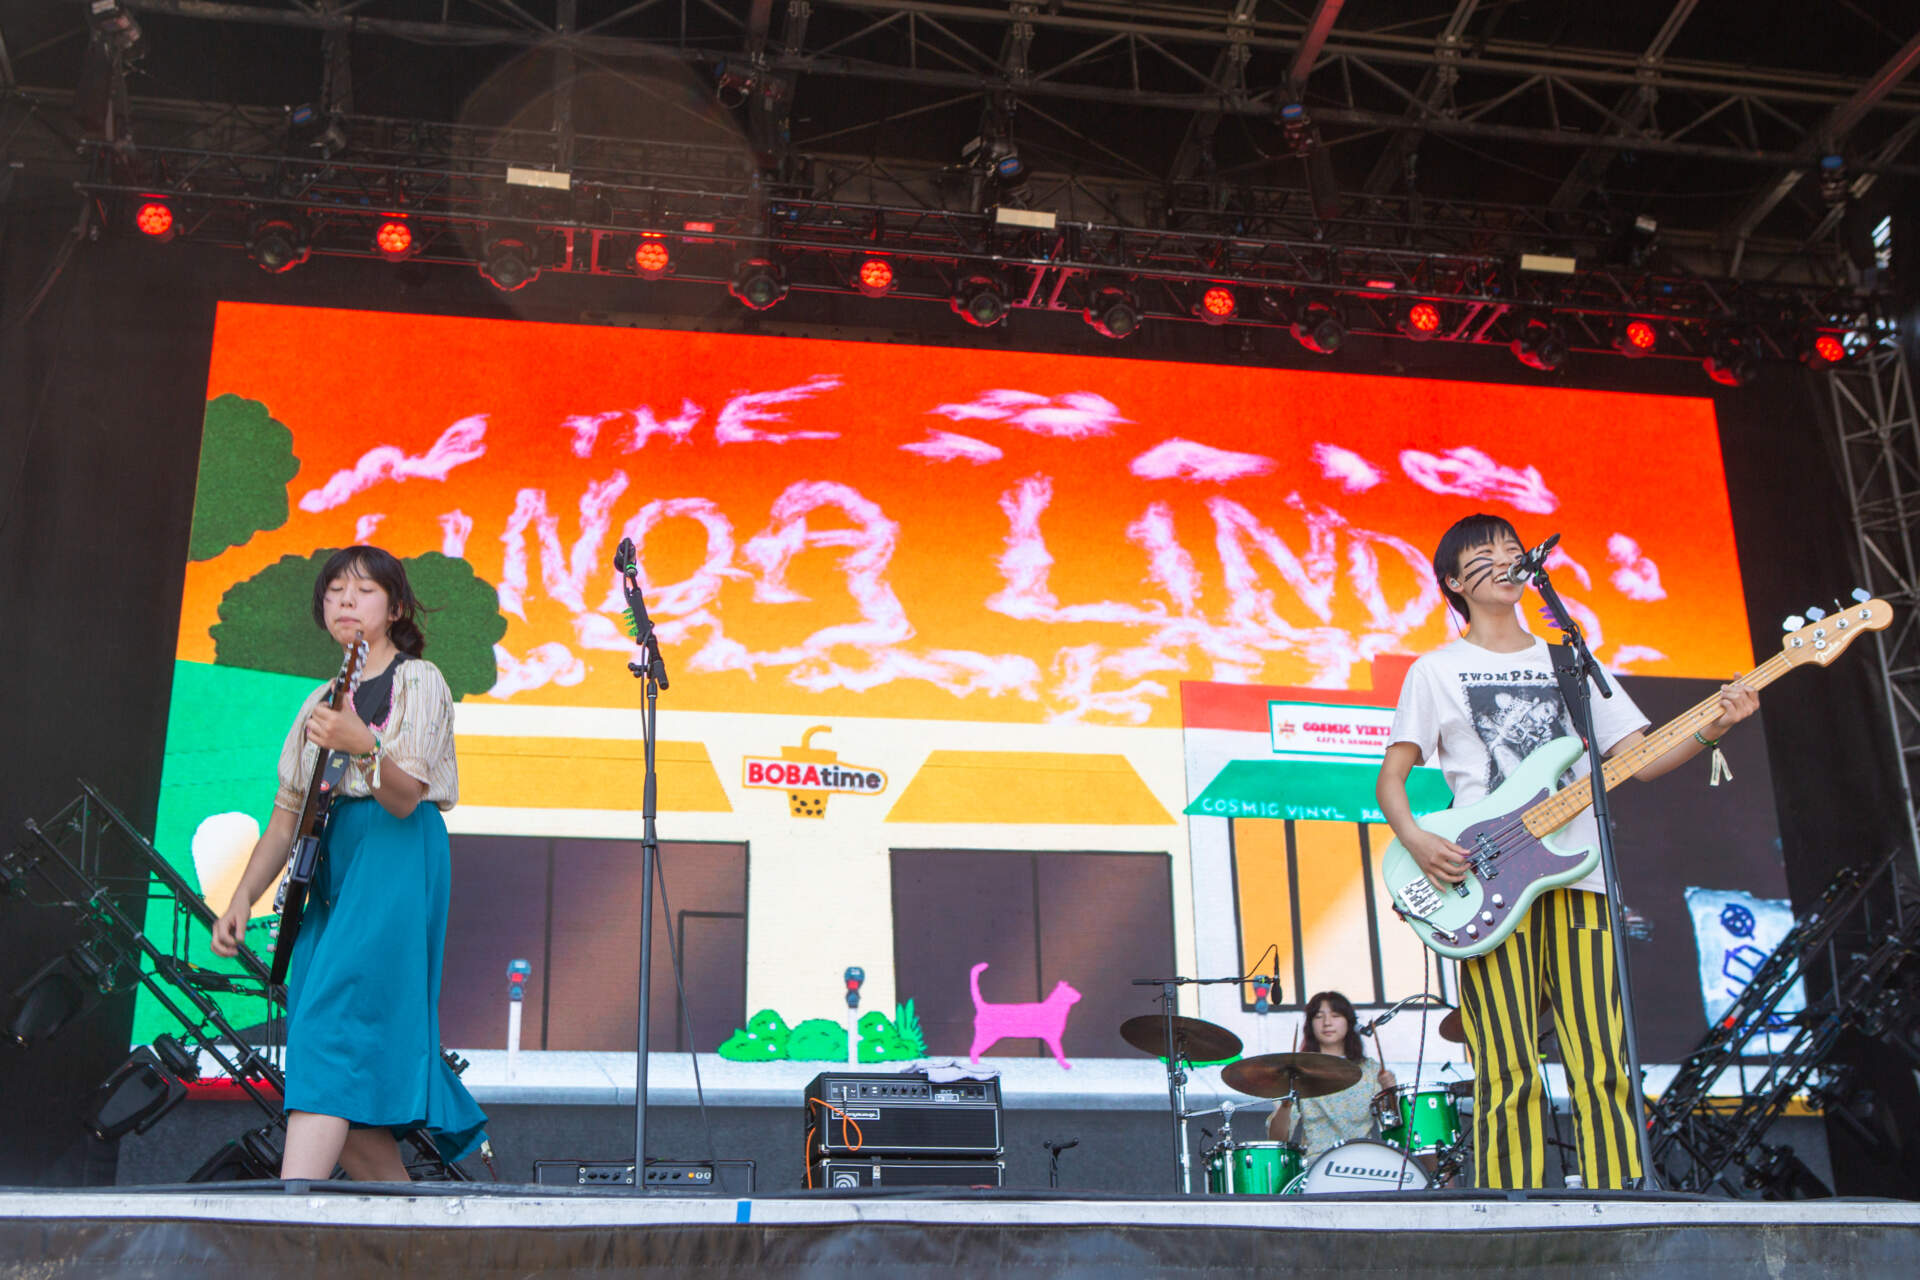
<point>1476,714</point>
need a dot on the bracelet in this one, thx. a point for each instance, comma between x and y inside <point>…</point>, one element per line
<point>1705,742</point>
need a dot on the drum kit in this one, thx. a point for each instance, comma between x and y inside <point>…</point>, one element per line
<point>1422,1143</point>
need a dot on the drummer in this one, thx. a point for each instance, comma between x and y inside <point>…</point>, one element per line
<point>1331,1119</point>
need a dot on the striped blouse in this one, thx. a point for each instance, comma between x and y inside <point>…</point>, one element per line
<point>416,737</point>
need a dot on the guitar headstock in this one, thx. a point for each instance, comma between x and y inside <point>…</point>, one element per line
<point>353,665</point>
<point>1820,636</point>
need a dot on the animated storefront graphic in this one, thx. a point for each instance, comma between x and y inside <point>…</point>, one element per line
<point>810,774</point>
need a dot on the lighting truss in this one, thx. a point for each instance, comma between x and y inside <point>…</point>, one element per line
<point>1879,432</point>
<point>1700,1141</point>
<point>63,865</point>
<point>712,209</point>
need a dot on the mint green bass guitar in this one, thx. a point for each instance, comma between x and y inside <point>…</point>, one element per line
<point>1514,836</point>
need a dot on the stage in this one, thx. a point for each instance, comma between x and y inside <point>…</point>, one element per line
<point>215,1231</point>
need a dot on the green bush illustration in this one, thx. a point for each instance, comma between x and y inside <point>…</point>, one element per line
<point>766,1038</point>
<point>246,460</point>
<point>763,1039</point>
<point>818,1040</point>
<point>266,621</point>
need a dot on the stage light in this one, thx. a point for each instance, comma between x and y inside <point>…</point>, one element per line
<point>1319,328</point>
<point>509,262</point>
<point>133,1098</point>
<point>1732,359</point>
<point>651,257</point>
<point>251,1157</point>
<point>277,244</point>
<point>875,277</point>
<point>1822,349</point>
<point>1217,304</point>
<point>1420,320</point>
<point>393,239</point>
<point>758,283</point>
<point>63,989</point>
<point>1541,344</point>
<point>981,301</point>
<point>154,218</point>
<point>1113,313</point>
<point>1634,338</point>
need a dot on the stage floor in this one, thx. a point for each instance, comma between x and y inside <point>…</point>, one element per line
<point>215,1231</point>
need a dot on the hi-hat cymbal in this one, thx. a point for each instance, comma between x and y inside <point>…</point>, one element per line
<point>1273,1075</point>
<point>1195,1039</point>
<point>1452,1031</point>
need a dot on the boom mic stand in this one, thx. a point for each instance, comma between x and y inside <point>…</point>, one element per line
<point>1573,667</point>
<point>652,674</point>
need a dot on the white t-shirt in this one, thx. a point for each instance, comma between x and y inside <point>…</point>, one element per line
<point>1476,714</point>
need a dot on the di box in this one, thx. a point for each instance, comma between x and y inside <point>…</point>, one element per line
<point>880,1175</point>
<point>690,1177</point>
<point>870,1116</point>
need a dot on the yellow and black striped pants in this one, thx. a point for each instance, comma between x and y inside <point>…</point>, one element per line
<point>1561,956</point>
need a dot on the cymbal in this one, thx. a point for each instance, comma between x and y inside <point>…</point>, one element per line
<point>1453,1032</point>
<point>1195,1039</point>
<point>1272,1075</point>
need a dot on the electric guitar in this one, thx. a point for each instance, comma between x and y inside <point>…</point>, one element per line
<point>303,859</point>
<point>1514,836</point>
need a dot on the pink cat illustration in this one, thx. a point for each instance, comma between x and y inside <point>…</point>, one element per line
<point>1046,1019</point>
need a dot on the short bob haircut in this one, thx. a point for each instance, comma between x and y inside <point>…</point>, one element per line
<point>1474,531</point>
<point>384,569</point>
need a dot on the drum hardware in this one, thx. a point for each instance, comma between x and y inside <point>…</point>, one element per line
<point>1291,1076</point>
<point>1181,1041</point>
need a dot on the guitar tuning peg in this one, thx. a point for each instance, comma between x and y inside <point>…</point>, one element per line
<point>1860,595</point>
<point>1814,615</point>
<point>1793,622</point>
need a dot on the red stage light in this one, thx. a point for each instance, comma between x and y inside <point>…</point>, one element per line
<point>394,239</point>
<point>1425,317</point>
<point>1640,335</point>
<point>876,277</point>
<point>1829,348</point>
<point>651,259</point>
<point>1217,304</point>
<point>154,219</point>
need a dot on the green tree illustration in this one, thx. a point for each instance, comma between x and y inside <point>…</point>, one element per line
<point>266,621</point>
<point>246,460</point>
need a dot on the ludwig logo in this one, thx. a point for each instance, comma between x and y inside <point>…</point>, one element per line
<point>810,774</point>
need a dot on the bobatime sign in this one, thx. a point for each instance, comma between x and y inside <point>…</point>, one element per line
<point>809,775</point>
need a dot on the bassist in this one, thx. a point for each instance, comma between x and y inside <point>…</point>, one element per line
<point>1474,709</point>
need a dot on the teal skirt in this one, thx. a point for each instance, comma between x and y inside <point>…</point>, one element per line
<point>363,988</point>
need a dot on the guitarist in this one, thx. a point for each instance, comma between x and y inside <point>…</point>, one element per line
<point>1474,709</point>
<point>363,990</point>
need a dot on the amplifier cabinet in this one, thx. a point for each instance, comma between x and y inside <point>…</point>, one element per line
<point>879,1175</point>
<point>869,1116</point>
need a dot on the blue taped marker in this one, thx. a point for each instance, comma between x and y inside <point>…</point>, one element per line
<point>743,1211</point>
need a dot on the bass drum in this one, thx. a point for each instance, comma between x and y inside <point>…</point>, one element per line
<point>1361,1165</point>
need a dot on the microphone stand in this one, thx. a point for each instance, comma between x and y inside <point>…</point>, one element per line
<point>652,674</point>
<point>1573,667</point>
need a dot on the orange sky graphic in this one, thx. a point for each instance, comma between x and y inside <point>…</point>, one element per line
<point>346,382</point>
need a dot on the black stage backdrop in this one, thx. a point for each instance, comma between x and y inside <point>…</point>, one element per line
<point>101,397</point>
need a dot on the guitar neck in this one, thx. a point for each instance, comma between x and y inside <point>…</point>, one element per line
<point>310,811</point>
<point>1564,805</point>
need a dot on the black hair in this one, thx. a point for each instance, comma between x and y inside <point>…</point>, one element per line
<point>1474,531</point>
<point>1342,1006</point>
<point>385,569</point>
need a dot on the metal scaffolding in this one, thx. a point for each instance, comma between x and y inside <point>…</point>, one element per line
<point>1879,431</point>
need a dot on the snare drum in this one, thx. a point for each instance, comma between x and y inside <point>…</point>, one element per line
<point>1252,1168</point>
<point>1419,1121</point>
<point>1361,1165</point>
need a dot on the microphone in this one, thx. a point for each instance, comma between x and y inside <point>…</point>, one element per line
<point>1523,569</point>
<point>1275,997</point>
<point>625,563</point>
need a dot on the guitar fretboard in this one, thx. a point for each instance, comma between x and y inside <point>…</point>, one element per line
<point>1564,805</point>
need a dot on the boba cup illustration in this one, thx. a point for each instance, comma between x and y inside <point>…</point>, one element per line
<point>808,804</point>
